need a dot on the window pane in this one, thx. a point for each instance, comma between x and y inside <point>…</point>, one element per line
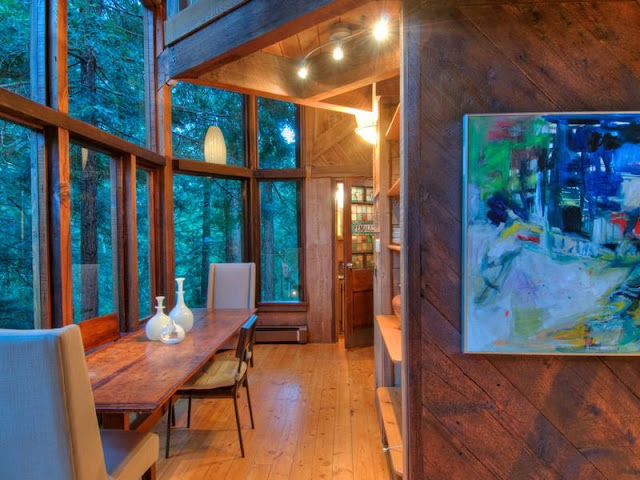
<point>277,134</point>
<point>91,233</point>
<point>194,109</point>
<point>16,254</point>
<point>142,217</point>
<point>280,241</point>
<point>106,65</point>
<point>209,228</point>
<point>15,24</point>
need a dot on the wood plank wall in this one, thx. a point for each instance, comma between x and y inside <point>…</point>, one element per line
<point>514,417</point>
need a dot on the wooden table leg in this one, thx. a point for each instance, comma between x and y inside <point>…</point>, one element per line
<point>116,421</point>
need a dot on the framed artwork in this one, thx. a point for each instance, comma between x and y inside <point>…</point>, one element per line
<point>551,233</point>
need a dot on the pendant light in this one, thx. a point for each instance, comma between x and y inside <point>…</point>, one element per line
<point>215,149</point>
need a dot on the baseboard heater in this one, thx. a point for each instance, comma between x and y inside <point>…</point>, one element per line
<point>281,334</point>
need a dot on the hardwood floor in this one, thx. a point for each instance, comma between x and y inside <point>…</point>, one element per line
<point>315,419</point>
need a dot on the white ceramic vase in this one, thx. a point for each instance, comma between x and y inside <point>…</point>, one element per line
<point>172,333</point>
<point>181,314</point>
<point>155,324</point>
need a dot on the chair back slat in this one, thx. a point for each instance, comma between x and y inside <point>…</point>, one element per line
<point>245,340</point>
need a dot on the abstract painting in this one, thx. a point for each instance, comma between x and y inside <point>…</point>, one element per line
<point>551,234</point>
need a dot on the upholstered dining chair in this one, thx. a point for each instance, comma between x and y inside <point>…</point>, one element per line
<point>222,378</point>
<point>232,285</point>
<point>49,425</point>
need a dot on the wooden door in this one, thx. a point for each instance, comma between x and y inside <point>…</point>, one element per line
<point>358,242</point>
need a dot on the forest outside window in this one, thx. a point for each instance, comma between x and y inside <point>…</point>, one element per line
<point>92,233</point>
<point>18,269</point>
<point>209,219</point>
<point>106,65</point>
<point>280,244</point>
<point>15,25</point>
<point>143,214</point>
<point>277,134</point>
<point>194,109</point>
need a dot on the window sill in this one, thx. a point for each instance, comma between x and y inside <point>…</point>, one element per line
<point>282,307</point>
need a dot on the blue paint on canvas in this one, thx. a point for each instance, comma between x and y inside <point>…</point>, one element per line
<point>552,234</point>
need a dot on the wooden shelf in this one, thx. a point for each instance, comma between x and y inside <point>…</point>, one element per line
<point>394,247</point>
<point>390,406</point>
<point>393,132</point>
<point>392,335</point>
<point>394,191</point>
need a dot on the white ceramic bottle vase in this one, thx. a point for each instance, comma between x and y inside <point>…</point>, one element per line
<point>181,314</point>
<point>155,324</point>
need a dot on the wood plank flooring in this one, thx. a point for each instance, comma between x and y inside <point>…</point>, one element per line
<point>315,419</point>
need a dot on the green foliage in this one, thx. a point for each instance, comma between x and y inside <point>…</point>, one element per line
<point>277,134</point>
<point>194,109</point>
<point>14,48</point>
<point>106,65</point>
<point>16,256</point>
<point>209,228</point>
<point>142,223</point>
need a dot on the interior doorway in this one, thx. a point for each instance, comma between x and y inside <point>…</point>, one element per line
<point>354,261</point>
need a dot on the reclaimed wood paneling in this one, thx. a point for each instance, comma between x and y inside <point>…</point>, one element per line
<point>509,417</point>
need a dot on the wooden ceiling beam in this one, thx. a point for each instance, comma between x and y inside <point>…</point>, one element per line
<point>360,98</point>
<point>359,73</point>
<point>247,29</point>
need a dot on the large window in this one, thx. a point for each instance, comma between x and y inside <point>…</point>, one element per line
<point>15,18</point>
<point>195,109</point>
<point>16,252</point>
<point>106,65</point>
<point>209,228</point>
<point>91,233</point>
<point>277,134</point>
<point>143,213</point>
<point>280,241</point>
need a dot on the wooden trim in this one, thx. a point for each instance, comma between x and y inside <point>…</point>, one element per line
<point>194,167</point>
<point>130,238</point>
<point>280,173</point>
<point>282,306</point>
<point>247,29</point>
<point>394,191</point>
<point>393,132</point>
<point>197,16</point>
<point>150,75</point>
<point>99,331</point>
<point>81,132</point>
<point>40,249</point>
<point>57,68</point>
<point>57,159</point>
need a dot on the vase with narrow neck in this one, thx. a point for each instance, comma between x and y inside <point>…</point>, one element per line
<point>181,314</point>
<point>155,324</point>
<point>172,333</point>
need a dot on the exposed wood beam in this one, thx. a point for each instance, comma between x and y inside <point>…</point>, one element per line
<point>276,77</point>
<point>247,29</point>
<point>389,87</point>
<point>358,73</point>
<point>195,17</point>
<point>359,98</point>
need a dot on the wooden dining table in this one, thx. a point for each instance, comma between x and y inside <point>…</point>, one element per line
<point>133,378</point>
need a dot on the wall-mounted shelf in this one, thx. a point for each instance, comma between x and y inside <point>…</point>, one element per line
<point>394,248</point>
<point>394,191</point>
<point>390,405</point>
<point>393,132</point>
<point>392,335</point>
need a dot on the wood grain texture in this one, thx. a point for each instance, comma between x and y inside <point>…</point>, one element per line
<point>139,375</point>
<point>99,331</point>
<point>315,419</point>
<point>509,417</point>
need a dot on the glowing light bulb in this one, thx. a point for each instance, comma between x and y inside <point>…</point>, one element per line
<point>303,72</point>
<point>338,53</point>
<point>381,29</point>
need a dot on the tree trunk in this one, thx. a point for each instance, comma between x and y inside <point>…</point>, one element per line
<point>266,244</point>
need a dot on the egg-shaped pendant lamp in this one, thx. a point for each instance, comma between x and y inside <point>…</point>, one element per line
<point>215,149</point>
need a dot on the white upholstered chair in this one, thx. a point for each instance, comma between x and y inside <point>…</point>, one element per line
<point>232,285</point>
<point>49,425</point>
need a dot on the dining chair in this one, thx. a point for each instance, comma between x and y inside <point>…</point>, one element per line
<point>222,378</point>
<point>232,285</point>
<point>48,417</point>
